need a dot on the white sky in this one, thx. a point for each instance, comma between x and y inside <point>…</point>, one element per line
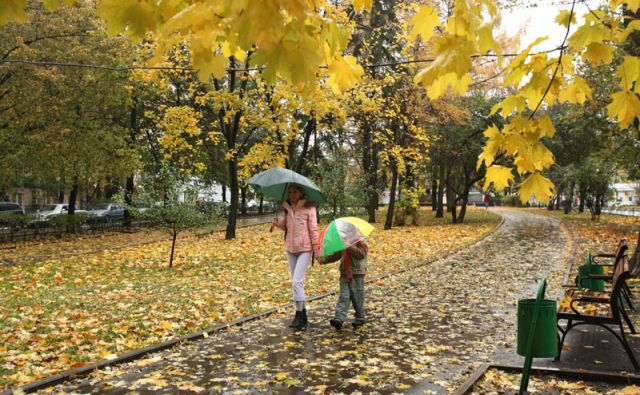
<point>540,21</point>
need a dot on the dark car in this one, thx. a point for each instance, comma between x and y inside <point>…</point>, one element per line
<point>8,208</point>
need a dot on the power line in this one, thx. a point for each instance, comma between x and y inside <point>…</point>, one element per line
<point>131,68</point>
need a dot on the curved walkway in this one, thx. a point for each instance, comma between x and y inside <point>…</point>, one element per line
<point>428,330</point>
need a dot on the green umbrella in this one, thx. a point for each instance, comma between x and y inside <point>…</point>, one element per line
<point>275,182</point>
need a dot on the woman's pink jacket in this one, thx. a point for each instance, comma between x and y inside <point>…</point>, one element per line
<point>301,227</point>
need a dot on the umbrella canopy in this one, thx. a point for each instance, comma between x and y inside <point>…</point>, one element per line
<point>344,232</point>
<point>275,182</point>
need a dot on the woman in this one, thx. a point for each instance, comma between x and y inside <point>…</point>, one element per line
<point>301,239</point>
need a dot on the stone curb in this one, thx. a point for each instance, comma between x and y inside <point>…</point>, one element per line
<point>140,352</point>
<point>585,375</point>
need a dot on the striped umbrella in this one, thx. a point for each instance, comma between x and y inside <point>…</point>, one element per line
<point>342,233</point>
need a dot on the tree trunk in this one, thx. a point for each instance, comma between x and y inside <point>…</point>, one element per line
<point>464,199</point>
<point>434,191</point>
<point>369,166</point>
<point>392,197</point>
<point>243,194</point>
<point>224,193</point>
<point>233,204</point>
<point>583,197</point>
<point>440,197</point>
<point>128,199</point>
<point>261,207</point>
<point>451,204</point>
<point>309,129</point>
<point>71,225</point>
<point>173,246</point>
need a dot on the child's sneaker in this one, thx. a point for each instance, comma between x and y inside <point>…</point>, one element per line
<point>358,322</point>
<point>336,323</point>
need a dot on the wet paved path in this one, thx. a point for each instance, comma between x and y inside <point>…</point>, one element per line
<point>428,329</point>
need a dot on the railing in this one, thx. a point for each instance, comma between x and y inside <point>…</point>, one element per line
<point>39,231</point>
<point>629,211</point>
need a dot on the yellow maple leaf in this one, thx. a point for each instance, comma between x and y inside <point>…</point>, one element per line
<point>134,16</point>
<point>423,23</point>
<point>597,53</point>
<point>587,34</point>
<point>499,176</point>
<point>12,11</point>
<point>344,73</point>
<point>625,106</point>
<point>577,92</point>
<point>565,17</point>
<point>631,390</point>
<point>566,303</point>
<point>281,376</point>
<point>628,72</point>
<point>486,40</point>
<point>539,186</point>
<point>510,104</point>
<point>632,5</point>
<point>358,5</point>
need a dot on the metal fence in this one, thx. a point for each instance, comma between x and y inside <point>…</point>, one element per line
<point>629,211</point>
<point>44,231</point>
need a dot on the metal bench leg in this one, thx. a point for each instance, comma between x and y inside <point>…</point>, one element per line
<point>627,299</point>
<point>626,319</point>
<point>561,341</point>
<point>627,295</point>
<point>628,349</point>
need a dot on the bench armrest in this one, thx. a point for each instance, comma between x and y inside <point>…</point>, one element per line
<point>586,299</point>
<point>593,299</point>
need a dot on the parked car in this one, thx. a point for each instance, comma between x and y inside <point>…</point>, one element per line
<point>107,211</point>
<point>8,208</point>
<point>51,210</point>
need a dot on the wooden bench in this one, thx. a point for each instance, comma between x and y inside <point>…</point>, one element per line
<point>604,309</point>
<point>634,267</point>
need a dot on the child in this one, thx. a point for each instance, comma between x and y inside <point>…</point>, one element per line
<point>353,266</point>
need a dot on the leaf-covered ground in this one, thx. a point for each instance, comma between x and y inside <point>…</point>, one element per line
<point>60,314</point>
<point>67,245</point>
<point>427,330</point>
<point>595,236</point>
<point>497,382</point>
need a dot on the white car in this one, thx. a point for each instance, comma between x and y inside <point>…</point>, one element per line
<point>51,210</point>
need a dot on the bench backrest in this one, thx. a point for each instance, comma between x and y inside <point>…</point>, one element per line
<point>620,275</point>
<point>634,261</point>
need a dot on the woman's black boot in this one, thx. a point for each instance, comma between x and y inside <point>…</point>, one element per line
<point>296,321</point>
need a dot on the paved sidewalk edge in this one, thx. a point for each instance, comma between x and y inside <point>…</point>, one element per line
<point>140,352</point>
<point>583,375</point>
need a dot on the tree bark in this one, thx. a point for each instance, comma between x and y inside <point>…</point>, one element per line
<point>233,204</point>
<point>441,182</point>
<point>370,169</point>
<point>173,246</point>
<point>392,197</point>
<point>243,194</point>
<point>434,191</point>
<point>464,199</point>
<point>71,225</point>
<point>128,199</point>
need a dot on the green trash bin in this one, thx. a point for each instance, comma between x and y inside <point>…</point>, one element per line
<point>588,269</point>
<point>545,340</point>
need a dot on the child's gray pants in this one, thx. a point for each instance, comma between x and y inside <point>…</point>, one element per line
<point>350,291</point>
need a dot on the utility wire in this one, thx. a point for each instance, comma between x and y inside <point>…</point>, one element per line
<point>130,68</point>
